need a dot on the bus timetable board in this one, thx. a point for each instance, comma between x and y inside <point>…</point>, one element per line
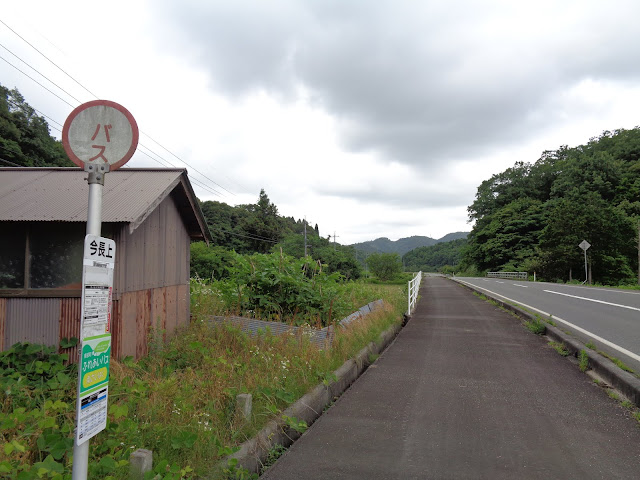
<point>95,346</point>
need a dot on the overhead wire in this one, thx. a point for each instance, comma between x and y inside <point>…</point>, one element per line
<point>29,76</point>
<point>39,73</point>
<point>10,163</point>
<point>48,59</point>
<point>200,183</point>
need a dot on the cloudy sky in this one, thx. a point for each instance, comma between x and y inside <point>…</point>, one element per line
<point>371,118</point>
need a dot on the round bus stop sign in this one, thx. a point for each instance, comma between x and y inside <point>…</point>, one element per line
<point>100,133</point>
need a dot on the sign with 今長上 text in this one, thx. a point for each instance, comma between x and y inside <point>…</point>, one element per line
<point>95,345</point>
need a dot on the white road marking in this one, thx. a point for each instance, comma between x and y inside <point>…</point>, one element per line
<point>517,285</point>
<point>497,281</point>
<point>594,300</point>
<point>558,319</point>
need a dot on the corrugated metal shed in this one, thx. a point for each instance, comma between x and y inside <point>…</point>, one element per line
<point>129,196</point>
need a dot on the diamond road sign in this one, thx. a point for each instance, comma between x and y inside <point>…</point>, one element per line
<point>584,245</point>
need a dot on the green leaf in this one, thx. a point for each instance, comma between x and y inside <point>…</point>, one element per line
<point>118,411</point>
<point>49,465</point>
<point>108,463</point>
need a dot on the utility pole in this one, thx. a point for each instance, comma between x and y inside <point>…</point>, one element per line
<point>334,239</point>
<point>305,237</point>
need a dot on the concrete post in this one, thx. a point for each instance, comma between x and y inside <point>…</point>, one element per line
<point>244,405</point>
<point>140,462</point>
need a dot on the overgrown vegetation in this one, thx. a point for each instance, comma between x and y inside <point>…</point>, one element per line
<point>179,401</point>
<point>277,287</point>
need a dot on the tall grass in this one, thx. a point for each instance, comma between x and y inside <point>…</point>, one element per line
<point>180,400</point>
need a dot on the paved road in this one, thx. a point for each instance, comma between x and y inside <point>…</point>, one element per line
<point>609,317</point>
<point>466,392</point>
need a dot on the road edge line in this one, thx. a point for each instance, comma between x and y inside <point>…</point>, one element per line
<point>625,382</point>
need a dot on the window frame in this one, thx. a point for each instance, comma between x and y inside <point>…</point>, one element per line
<point>26,291</point>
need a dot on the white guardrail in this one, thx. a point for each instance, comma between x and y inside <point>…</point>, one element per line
<point>414,286</point>
<point>518,275</point>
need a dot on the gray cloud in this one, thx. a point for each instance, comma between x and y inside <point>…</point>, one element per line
<point>418,82</point>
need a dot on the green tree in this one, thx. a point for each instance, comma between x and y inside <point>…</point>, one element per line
<point>435,257</point>
<point>534,216</point>
<point>24,136</point>
<point>262,227</point>
<point>385,266</point>
<point>210,262</point>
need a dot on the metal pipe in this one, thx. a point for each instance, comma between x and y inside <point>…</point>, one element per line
<point>80,468</point>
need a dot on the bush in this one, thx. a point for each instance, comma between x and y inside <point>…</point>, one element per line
<point>385,266</point>
<point>278,287</point>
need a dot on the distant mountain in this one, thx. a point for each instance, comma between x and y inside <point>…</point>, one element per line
<point>453,236</point>
<point>402,245</point>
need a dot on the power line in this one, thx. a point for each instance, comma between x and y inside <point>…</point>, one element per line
<point>163,147</point>
<point>10,163</point>
<point>42,114</point>
<point>250,237</point>
<point>48,59</point>
<point>29,76</point>
<point>72,106</point>
<point>39,73</point>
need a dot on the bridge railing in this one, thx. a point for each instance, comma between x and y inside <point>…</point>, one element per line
<point>414,286</point>
<point>512,275</point>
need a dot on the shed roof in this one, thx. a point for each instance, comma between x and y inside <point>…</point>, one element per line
<point>129,195</point>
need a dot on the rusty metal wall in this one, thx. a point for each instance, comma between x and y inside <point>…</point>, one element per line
<point>150,315</point>
<point>70,314</point>
<point>33,320</point>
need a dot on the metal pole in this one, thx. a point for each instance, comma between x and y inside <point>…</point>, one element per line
<point>80,466</point>
<point>586,275</point>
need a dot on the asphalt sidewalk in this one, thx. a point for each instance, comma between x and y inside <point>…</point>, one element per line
<point>466,392</point>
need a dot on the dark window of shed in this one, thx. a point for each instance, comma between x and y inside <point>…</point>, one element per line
<point>56,252</point>
<point>12,255</point>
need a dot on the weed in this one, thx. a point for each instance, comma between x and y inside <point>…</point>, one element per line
<point>636,415</point>
<point>591,345</point>
<point>613,394</point>
<point>627,404</point>
<point>373,357</point>
<point>536,326</point>
<point>299,426</point>
<point>274,454</point>
<point>617,361</point>
<point>583,358</point>
<point>561,348</point>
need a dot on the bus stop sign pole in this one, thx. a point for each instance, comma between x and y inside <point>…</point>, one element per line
<point>98,136</point>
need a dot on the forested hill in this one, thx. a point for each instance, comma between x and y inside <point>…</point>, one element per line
<point>403,245</point>
<point>532,217</point>
<point>436,257</point>
<point>24,135</point>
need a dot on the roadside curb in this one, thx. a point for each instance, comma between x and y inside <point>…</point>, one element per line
<point>626,383</point>
<point>254,452</point>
